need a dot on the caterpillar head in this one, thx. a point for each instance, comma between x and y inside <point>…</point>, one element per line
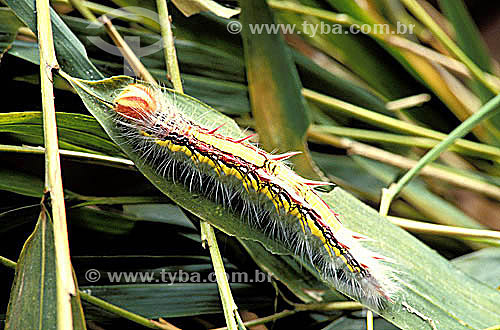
<point>136,102</point>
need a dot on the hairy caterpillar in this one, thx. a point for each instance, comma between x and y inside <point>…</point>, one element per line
<point>258,185</point>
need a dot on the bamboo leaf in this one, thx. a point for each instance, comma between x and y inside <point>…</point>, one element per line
<point>432,290</point>
<point>33,299</point>
<point>173,299</point>
<point>76,132</point>
<point>468,36</point>
<point>474,264</point>
<point>290,271</point>
<point>21,183</point>
<point>317,78</point>
<point>430,283</point>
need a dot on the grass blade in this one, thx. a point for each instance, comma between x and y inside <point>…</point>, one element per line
<point>34,301</point>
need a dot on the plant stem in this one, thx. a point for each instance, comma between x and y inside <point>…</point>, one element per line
<point>228,304</point>
<point>333,134</point>
<point>84,11</point>
<point>266,319</point>
<point>7,262</point>
<point>378,119</point>
<point>53,182</point>
<point>430,228</point>
<point>139,69</point>
<point>369,320</point>
<point>168,46</point>
<point>461,179</point>
<point>105,160</point>
<point>331,306</point>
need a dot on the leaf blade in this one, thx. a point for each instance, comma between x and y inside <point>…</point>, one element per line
<point>35,284</point>
<point>426,294</point>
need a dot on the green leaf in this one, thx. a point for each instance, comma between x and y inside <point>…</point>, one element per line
<point>432,206</point>
<point>194,56</point>
<point>33,298</point>
<point>429,283</point>
<point>202,28</point>
<point>347,171</point>
<point>76,132</point>
<point>355,51</point>
<point>357,179</point>
<point>316,78</point>
<point>26,50</point>
<point>9,24</point>
<point>227,95</point>
<point>430,286</point>
<point>371,62</point>
<point>174,300</point>
<point>468,35</point>
<point>20,183</point>
<point>291,271</point>
<point>470,41</point>
<point>474,264</point>
<point>102,221</point>
<point>164,213</point>
<point>71,54</point>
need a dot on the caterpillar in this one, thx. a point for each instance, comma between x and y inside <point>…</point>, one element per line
<point>260,186</point>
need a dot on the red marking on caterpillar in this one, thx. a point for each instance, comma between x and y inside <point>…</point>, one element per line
<point>271,196</point>
<point>215,129</point>
<point>284,156</point>
<point>244,138</point>
<point>316,183</point>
